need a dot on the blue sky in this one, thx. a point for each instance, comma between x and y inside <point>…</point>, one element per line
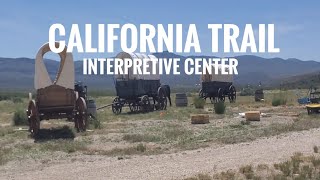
<point>24,25</point>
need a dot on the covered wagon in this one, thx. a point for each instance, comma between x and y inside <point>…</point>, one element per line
<point>139,91</point>
<point>57,99</point>
<point>217,86</point>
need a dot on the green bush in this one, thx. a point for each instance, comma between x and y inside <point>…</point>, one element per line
<point>20,118</point>
<point>95,122</point>
<point>279,99</point>
<point>16,100</point>
<point>199,102</point>
<point>247,92</point>
<point>219,108</point>
<point>141,147</point>
<point>16,97</point>
<point>247,171</point>
<point>4,97</point>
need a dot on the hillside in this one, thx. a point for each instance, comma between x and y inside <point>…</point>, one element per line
<point>19,72</point>
<point>303,81</point>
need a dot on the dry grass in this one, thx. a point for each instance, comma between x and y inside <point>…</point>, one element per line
<point>140,138</point>
<point>200,177</point>
<point>67,146</point>
<point>297,167</point>
<point>137,149</point>
<point>167,131</point>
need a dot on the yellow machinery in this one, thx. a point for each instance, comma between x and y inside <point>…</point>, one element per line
<point>313,108</point>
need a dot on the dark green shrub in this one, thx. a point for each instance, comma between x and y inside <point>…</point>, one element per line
<point>16,100</point>
<point>279,99</point>
<point>199,102</point>
<point>219,108</point>
<point>247,171</point>
<point>95,122</point>
<point>20,118</point>
<point>247,92</point>
<point>4,97</point>
<point>13,96</point>
<point>245,122</point>
<point>141,147</point>
<point>276,102</point>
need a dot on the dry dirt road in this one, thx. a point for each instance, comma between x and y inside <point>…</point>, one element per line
<point>168,166</point>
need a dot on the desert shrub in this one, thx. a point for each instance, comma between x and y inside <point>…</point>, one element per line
<point>20,118</point>
<point>6,130</point>
<point>4,97</point>
<point>284,167</point>
<point>200,177</point>
<point>141,147</point>
<point>16,100</point>
<point>245,122</point>
<point>247,92</point>
<point>67,146</point>
<point>279,99</point>
<point>4,155</point>
<point>315,161</point>
<point>229,174</point>
<point>199,102</point>
<point>219,108</point>
<point>247,171</point>
<point>13,96</point>
<point>95,122</point>
<point>141,138</point>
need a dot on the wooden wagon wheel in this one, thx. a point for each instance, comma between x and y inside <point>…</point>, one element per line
<point>132,107</point>
<point>137,107</point>
<point>33,118</point>
<point>116,106</point>
<point>221,96</point>
<point>214,100</point>
<point>232,95</point>
<point>162,99</point>
<point>81,118</point>
<point>201,94</point>
<point>145,103</point>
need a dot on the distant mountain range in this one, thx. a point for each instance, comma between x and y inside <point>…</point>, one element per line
<point>19,72</point>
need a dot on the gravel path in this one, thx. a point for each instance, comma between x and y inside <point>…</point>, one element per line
<point>169,166</point>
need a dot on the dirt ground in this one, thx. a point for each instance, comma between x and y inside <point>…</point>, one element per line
<point>167,166</point>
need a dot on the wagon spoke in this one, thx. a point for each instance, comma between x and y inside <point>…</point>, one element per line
<point>33,118</point>
<point>81,118</point>
<point>116,106</point>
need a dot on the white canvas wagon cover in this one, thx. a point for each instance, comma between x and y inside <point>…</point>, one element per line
<point>143,57</point>
<point>219,77</point>
<point>65,75</point>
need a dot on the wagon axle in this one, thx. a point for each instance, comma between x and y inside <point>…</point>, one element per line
<point>140,104</point>
<point>217,92</point>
